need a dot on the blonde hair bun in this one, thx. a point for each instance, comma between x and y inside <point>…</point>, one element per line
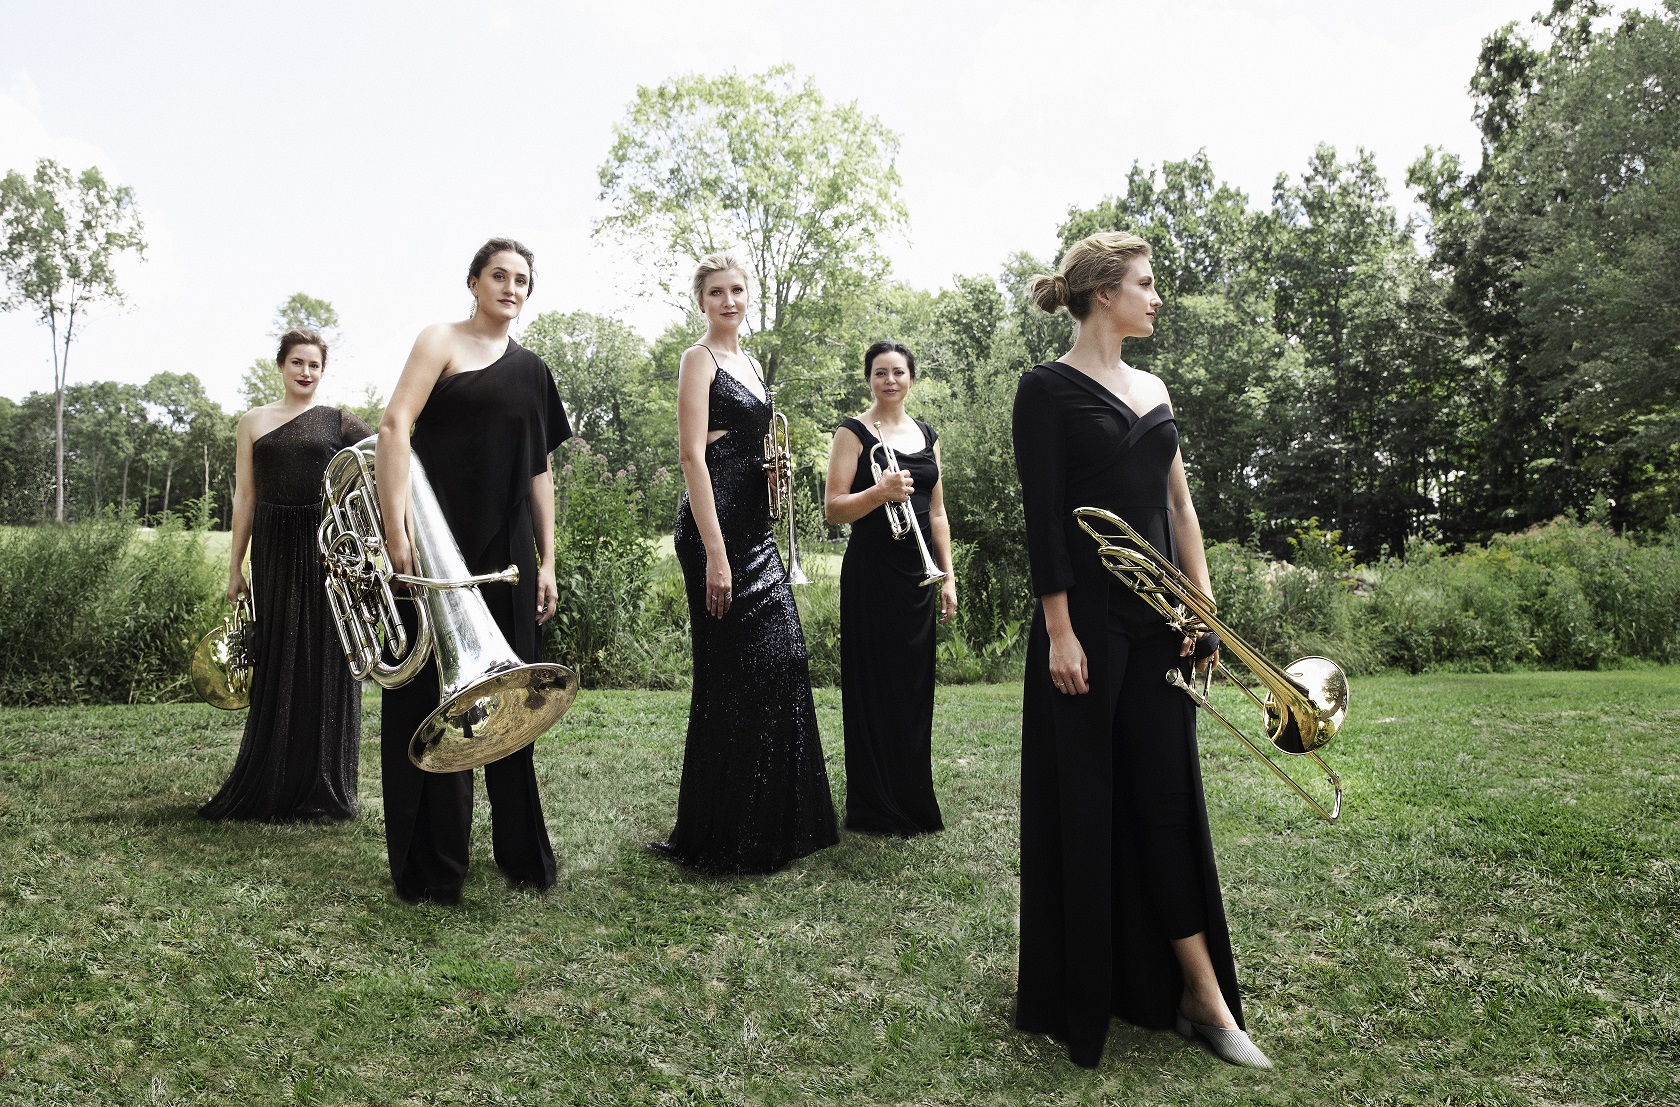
<point>1093,263</point>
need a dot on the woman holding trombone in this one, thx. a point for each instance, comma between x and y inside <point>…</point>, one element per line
<point>883,478</point>
<point>1121,912</point>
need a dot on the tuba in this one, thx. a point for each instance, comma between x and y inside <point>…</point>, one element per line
<point>901,518</point>
<point>1305,704</point>
<point>224,660</point>
<point>491,702</point>
<point>778,471</point>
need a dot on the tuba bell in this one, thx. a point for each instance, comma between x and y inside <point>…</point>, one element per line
<point>224,661</point>
<point>778,471</point>
<point>491,702</point>
<point>901,518</point>
<point>1305,704</point>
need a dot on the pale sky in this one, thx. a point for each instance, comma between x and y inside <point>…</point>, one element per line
<point>360,152</point>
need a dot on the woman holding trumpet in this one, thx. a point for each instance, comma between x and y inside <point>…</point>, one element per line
<point>1120,905</point>
<point>754,792</point>
<point>883,478</point>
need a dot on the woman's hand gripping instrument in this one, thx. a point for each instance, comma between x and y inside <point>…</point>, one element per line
<point>1305,704</point>
<point>901,517</point>
<point>492,702</point>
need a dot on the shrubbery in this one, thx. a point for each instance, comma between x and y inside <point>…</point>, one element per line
<point>102,612</point>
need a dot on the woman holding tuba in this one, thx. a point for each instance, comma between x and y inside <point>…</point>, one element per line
<point>754,793</point>
<point>1120,905</point>
<point>485,415</point>
<point>298,758</point>
<point>883,479</point>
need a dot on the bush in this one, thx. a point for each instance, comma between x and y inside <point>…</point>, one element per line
<point>101,612</point>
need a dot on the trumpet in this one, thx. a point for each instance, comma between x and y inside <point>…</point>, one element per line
<point>491,702</point>
<point>223,662</point>
<point>901,517</point>
<point>1305,704</point>
<point>778,471</point>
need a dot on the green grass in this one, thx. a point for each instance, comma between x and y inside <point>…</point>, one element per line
<point>1492,923</point>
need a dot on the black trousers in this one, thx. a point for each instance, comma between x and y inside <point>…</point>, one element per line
<point>428,816</point>
<point>1156,816</point>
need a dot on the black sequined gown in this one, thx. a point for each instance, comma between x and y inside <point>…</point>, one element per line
<point>754,790</point>
<point>886,657</point>
<point>304,729</point>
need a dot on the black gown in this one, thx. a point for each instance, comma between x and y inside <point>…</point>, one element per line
<point>886,657</point>
<point>754,792</point>
<point>304,730</point>
<point>1116,858</point>
<point>482,436</point>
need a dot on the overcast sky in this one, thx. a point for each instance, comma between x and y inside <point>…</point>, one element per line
<point>360,152</point>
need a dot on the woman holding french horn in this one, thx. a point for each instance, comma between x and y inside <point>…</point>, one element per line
<point>754,793</point>
<point>1121,911</point>
<point>883,479</point>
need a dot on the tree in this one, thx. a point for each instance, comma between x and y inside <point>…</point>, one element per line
<point>766,163</point>
<point>600,367</point>
<point>60,236</point>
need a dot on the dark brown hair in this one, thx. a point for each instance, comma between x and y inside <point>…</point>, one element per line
<point>301,336</point>
<point>886,346</point>
<point>495,246</point>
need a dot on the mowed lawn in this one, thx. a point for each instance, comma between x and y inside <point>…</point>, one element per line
<point>1494,922</point>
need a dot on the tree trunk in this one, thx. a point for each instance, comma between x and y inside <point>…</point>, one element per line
<point>126,459</point>
<point>168,479</point>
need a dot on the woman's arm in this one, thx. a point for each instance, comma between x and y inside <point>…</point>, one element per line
<point>244,507</point>
<point>542,517</point>
<point>426,363</point>
<point>1041,465</point>
<point>840,503</point>
<point>941,527</point>
<point>694,388</point>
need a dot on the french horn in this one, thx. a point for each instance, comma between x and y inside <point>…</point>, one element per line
<point>1306,703</point>
<point>223,663</point>
<point>491,701</point>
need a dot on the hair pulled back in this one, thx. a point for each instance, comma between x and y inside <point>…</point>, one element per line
<point>301,336</point>
<point>720,261</point>
<point>498,245</point>
<point>887,346</point>
<point>1093,263</point>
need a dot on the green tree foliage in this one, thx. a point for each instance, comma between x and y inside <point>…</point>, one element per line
<point>763,162</point>
<point>60,236</point>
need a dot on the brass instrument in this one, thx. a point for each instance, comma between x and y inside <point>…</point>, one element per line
<point>901,517</point>
<point>1305,704</point>
<point>491,702</point>
<point>223,663</point>
<point>778,471</point>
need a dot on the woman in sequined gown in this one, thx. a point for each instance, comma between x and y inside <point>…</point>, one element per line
<point>485,415</point>
<point>754,793</point>
<point>886,612</point>
<point>303,732</point>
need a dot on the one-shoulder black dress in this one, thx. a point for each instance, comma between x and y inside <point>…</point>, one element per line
<point>304,730</point>
<point>482,436</point>
<point>1116,859</point>
<point>754,792</point>
<point>886,656</point>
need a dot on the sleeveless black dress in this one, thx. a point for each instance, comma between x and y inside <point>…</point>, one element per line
<point>886,656</point>
<point>482,436</point>
<point>1116,858</point>
<point>304,730</point>
<point>754,792</point>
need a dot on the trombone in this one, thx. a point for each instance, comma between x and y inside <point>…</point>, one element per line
<point>901,517</point>
<point>778,471</point>
<point>1305,704</point>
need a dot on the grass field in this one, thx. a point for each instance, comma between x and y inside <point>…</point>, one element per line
<point>1492,923</point>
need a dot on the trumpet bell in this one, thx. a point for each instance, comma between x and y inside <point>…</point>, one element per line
<point>1326,688</point>
<point>217,676</point>
<point>495,715</point>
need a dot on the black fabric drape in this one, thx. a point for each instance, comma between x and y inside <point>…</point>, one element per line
<point>1094,923</point>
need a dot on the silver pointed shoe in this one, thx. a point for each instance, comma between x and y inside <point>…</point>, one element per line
<point>1232,1046</point>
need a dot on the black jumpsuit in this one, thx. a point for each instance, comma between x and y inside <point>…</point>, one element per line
<point>1116,859</point>
<point>482,436</point>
